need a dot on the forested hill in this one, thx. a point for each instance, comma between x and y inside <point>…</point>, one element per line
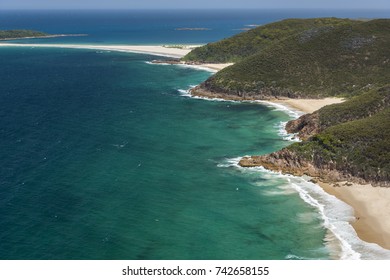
<point>247,43</point>
<point>315,58</point>
<point>343,60</point>
<point>353,143</point>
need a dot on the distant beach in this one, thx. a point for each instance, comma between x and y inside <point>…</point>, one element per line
<point>155,50</point>
<point>168,51</point>
<point>45,37</point>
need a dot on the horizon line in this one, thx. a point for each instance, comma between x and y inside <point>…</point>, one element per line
<point>190,9</point>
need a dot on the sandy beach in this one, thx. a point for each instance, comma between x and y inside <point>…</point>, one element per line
<point>308,105</point>
<point>216,66</point>
<point>167,51</point>
<point>371,206</point>
<point>156,50</point>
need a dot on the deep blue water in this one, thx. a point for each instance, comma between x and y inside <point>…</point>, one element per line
<point>103,157</point>
<point>157,27</point>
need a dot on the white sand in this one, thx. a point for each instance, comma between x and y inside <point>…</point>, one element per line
<point>372,210</point>
<point>371,204</point>
<point>217,66</point>
<point>308,105</point>
<point>156,50</point>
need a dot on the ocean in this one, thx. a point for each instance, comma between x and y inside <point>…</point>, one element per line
<point>106,156</point>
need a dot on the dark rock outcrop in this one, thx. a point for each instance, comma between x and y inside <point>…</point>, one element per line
<point>288,162</point>
<point>305,126</point>
<point>264,93</point>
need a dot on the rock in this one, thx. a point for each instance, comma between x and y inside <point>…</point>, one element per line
<point>306,125</point>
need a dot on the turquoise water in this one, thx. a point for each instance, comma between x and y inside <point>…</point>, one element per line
<point>104,156</point>
<point>104,159</point>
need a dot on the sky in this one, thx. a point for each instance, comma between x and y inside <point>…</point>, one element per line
<point>193,4</point>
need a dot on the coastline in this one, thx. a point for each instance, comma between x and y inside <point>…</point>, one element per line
<point>302,105</point>
<point>371,209</point>
<point>45,37</point>
<point>308,106</point>
<point>166,51</point>
<point>371,205</point>
<point>156,50</point>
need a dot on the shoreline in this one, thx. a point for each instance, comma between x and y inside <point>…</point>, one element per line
<point>300,106</point>
<point>165,51</point>
<point>45,37</point>
<point>308,105</point>
<point>155,50</point>
<point>371,205</point>
<point>371,209</point>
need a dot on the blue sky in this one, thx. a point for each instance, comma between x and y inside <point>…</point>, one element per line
<point>191,4</point>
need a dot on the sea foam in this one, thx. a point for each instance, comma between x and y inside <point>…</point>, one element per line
<point>341,239</point>
<point>186,93</point>
<point>196,67</point>
<point>281,126</point>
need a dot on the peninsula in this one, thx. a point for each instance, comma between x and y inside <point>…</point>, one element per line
<point>345,145</point>
<point>174,53</point>
<point>30,34</point>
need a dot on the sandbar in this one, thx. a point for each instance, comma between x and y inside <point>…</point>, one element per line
<point>167,51</point>
<point>155,50</point>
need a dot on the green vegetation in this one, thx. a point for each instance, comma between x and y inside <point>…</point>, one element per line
<point>255,40</point>
<point>15,34</point>
<point>360,147</point>
<point>337,61</point>
<point>359,107</point>
<point>313,59</point>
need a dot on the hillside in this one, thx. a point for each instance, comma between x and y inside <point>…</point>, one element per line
<point>344,60</point>
<point>358,107</point>
<point>247,43</point>
<point>16,34</point>
<point>356,146</point>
